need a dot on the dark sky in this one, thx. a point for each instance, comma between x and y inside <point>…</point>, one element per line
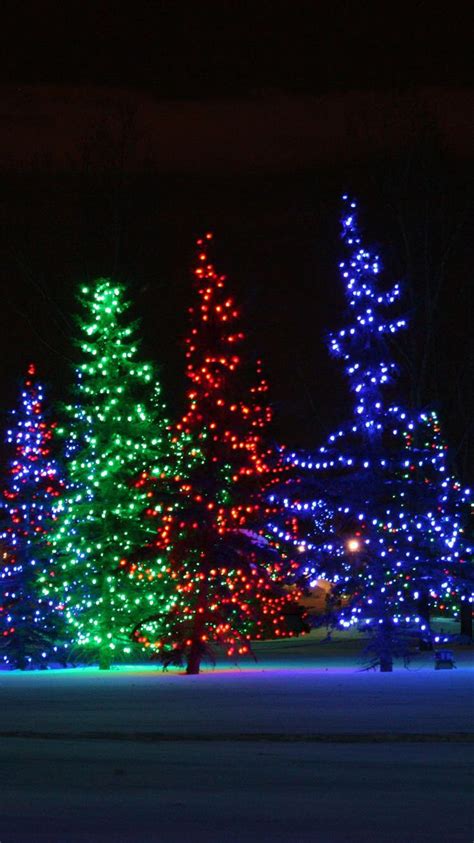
<point>127,129</point>
<point>203,49</point>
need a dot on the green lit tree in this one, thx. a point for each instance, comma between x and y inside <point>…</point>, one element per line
<point>117,440</point>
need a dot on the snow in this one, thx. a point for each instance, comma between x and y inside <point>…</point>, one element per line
<point>301,746</point>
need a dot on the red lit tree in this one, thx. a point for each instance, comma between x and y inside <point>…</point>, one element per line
<point>229,580</point>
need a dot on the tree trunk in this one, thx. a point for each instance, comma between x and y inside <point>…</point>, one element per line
<point>21,662</point>
<point>384,646</point>
<point>424,607</point>
<point>105,658</point>
<point>193,662</point>
<point>194,659</point>
<point>105,655</point>
<point>466,618</point>
<point>386,664</point>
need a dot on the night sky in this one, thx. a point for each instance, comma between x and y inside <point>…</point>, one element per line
<point>129,130</point>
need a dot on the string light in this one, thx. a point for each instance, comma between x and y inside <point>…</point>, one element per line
<point>228,577</point>
<point>29,627</point>
<point>117,441</point>
<point>377,508</point>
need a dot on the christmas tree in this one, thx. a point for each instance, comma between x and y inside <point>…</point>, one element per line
<point>450,528</point>
<point>228,578</point>
<point>117,440</point>
<point>373,511</point>
<point>29,626</point>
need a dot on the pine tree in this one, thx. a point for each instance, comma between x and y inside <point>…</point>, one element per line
<point>29,626</point>
<point>228,578</point>
<point>117,439</point>
<point>450,529</point>
<point>373,511</point>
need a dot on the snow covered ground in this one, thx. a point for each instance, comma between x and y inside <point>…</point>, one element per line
<point>301,746</point>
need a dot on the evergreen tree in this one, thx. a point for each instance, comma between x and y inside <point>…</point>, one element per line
<point>373,511</point>
<point>29,626</point>
<point>117,439</point>
<point>228,578</point>
<point>450,530</point>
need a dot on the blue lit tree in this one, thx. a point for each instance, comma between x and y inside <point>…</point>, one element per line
<point>28,623</point>
<point>376,511</point>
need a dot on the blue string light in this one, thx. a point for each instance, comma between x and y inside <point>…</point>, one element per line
<point>28,624</point>
<point>376,509</point>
